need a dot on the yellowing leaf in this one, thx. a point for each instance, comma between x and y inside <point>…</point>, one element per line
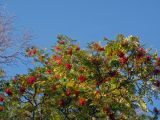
<point>142,105</point>
<point>70,84</point>
<point>40,82</point>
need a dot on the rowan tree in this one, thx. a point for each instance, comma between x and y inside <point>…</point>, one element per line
<point>115,80</point>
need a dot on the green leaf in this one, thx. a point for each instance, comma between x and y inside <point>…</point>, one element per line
<point>114,63</point>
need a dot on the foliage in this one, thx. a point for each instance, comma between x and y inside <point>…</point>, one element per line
<point>110,82</point>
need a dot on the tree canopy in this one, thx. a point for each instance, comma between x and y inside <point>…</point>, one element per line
<point>110,80</point>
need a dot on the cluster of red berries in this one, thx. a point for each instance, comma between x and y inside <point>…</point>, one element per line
<point>1,100</point>
<point>14,80</point>
<point>70,50</point>
<point>61,42</point>
<point>158,61</point>
<point>81,78</point>
<point>148,58</point>
<point>140,52</point>
<point>97,47</point>
<point>48,71</point>
<point>69,92</point>
<point>58,59</point>
<point>68,66</point>
<point>122,58</point>
<point>31,51</point>
<point>31,80</point>
<point>22,90</point>
<point>81,102</point>
<point>8,91</point>
<point>56,48</point>
<point>1,108</point>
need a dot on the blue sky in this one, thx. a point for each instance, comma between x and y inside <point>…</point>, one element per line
<point>87,20</point>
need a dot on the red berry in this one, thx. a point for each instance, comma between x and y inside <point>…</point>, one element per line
<point>82,102</point>
<point>1,108</point>
<point>39,75</point>
<point>148,58</point>
<point>78,48</point>
<point>48,71</point>
<point>107,110</point>
<point>29,53</point>
<point>68,66</point>
<point>32,52</point>
<point>123,60</point>
<point>140,52</point>
<point>101,49</point>
<point>46,62</point>
<point>69,51</point>
<point>53,88</point>
<point>81,78</point>
<point>1,99</point>
<point>56,48</point>
<point>61,42</point>
<point>46,95</point>
<point>158,59</point>
<point>120,54</point>
<point>56,76</point>
<point>58,60</point>
<point>97,92</point>
<point>98,83</point>
<point>14,81</point>
<point>22,90</point>
<point>76,92</point>
<point>31,80</point>
<point>61,102</point>
<point>8,91</point>
<point>82,68</point>
<point>68,93</point>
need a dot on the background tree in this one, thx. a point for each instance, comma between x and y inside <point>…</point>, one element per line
<point>110,82</point>
<point>12,42</point>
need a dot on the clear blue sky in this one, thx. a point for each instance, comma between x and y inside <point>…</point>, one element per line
<point>87,20</point>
